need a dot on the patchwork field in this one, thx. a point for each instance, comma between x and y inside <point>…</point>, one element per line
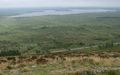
<point>45,33</point>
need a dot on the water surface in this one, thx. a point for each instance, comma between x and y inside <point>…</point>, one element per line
<point>58,11</point>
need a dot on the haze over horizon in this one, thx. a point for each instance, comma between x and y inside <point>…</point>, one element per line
<point>59,3</point>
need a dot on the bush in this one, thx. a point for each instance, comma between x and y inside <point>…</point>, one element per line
<point>42,51</point>
<point>106,45</point>
<point>111,72</point>
<point>87,73</point>
<point>9,53</point>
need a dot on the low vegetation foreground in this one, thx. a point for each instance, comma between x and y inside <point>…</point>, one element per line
<point>63,63</point>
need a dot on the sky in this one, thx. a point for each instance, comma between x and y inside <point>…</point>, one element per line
<point>59,3</point>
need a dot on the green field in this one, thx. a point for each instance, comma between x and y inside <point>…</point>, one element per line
<point>45,33</point>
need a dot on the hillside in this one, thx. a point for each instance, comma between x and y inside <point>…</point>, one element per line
<point>47,33</point>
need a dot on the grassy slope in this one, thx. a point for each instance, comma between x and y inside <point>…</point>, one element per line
<point>55,32</point>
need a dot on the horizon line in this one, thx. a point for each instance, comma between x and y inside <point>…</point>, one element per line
<point>65,7</point>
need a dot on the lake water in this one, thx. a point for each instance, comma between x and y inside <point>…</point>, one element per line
<point>62,12</point>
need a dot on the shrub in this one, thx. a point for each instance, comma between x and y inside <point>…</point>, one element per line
<point>9,53</point>
<point>111,72</point>
<point>106,45</point>
<point>9,67</point>
<point>87,73</point>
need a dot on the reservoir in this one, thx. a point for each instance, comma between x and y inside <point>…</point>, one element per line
<point>65,11</point>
